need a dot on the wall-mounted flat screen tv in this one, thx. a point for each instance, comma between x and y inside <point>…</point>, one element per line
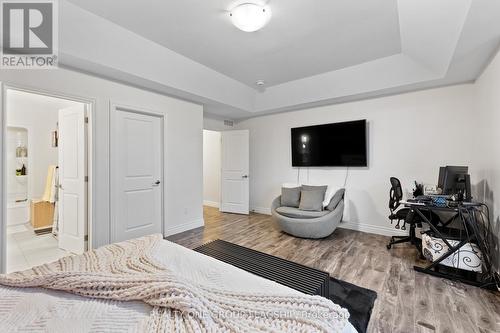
<point>330,145</point>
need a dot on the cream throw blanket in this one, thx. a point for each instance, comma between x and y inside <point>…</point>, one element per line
<point>127,272</point>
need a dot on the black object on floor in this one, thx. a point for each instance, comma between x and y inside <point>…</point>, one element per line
<point>43,231</point>
<point>299,277</point>
<point>359,301</point>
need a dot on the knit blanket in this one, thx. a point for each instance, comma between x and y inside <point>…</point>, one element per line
<point>126,271</point>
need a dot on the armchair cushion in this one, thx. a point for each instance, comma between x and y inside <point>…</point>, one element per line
<point>337,197</point>
<point>321,188</point>
<point>329,191</point>
<point>290,196</point>
<point>296,213</point>
<point>311,200</point>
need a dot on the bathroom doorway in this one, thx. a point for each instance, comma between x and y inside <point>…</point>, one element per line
<point>46,178</point>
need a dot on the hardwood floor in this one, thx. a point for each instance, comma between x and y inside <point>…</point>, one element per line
<point>407,301</point>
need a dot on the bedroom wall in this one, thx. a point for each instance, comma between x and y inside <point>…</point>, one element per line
<point>409,136</point>
<point>213,123</point>
<point>487,90</point>
<point>211,168</point>
<point>184,142</point>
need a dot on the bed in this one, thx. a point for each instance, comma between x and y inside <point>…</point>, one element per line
<point>40,309</point>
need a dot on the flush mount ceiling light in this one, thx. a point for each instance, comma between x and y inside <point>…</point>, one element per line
<point>250,17</point>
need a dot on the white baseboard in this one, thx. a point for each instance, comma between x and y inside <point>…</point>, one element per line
<point>184,227</point>
<point>261,210</point>
<point>211,203</point>
<point>373,229</point>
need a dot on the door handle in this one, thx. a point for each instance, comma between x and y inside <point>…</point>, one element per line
<point>244,176</point>
<point>156,183</point>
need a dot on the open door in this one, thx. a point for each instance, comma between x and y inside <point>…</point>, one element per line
<point>72,183</point>
<point>235,167</point>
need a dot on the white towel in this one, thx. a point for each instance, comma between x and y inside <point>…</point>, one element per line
<point>48,184</point>
<point>54,186</point>
<point>55,199</point>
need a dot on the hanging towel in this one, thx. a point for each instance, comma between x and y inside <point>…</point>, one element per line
<point>55,221</point>
<point>54,186</point>
<point>55,199</point>
<point>48,184</point>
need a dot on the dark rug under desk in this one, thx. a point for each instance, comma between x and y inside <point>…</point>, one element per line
<point>359,301</point>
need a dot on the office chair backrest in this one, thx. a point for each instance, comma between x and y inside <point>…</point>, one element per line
<point>396,194</point>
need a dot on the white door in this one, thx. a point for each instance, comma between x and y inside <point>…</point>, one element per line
<point>137,170</point>
<point>72,210</point>
<point>235,160</point>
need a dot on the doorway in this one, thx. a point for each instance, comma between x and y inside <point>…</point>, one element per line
<point>211,168</point>
<point>226,170</point>
<point>46,178</point>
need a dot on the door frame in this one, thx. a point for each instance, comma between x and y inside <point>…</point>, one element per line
<point>219,199</point>
<point>91,107</point>
<point>113,108</point>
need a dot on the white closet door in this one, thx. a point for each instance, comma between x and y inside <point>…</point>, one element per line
<point>137,165</point>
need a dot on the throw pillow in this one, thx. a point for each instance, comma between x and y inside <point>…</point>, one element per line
<point>336,199</point>
<point>330,192</point>
<point>311,200</point>
<point>322,188</point>
<point>290,197</point>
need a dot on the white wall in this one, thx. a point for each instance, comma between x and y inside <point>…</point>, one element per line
<point>211,167</point>
<point>184,178</point>
<point>487,109</point>
<point>17,187</point>
<point>41,153</point>
<point>410,136</point>
<point>215,124</point>
<point>39,116</point>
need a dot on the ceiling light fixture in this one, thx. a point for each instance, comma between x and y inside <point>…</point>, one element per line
<point>250,17</point>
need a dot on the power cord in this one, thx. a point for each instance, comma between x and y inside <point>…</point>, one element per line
<point>346,175</point>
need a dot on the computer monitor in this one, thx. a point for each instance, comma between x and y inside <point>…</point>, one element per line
<point>442,172</point>
<point>455,180</point>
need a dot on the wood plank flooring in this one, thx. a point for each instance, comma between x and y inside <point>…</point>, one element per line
<point>407,301</point>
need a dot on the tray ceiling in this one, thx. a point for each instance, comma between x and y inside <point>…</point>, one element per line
<point>303,38</point>
<point>311,53</point>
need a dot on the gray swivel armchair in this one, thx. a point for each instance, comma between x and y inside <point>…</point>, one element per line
<point>309,224</point>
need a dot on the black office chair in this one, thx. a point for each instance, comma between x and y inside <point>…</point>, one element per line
<point>402,214</point>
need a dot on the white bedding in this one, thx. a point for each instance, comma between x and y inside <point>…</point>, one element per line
<point>77,314</point>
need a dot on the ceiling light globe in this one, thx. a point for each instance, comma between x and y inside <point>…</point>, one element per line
<point>250,17</point>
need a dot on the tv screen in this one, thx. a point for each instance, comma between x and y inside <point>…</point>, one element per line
<point>334,145</point>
